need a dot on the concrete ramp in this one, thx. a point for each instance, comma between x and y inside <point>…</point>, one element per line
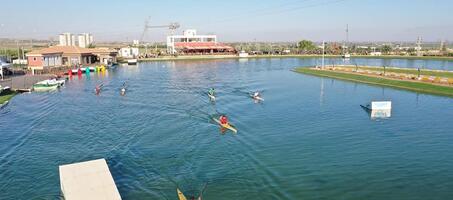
<point>88,180</point>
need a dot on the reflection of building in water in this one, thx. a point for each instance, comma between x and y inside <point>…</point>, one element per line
<point>381,113</point>
<point>379,109</point>
<point>321,93</point>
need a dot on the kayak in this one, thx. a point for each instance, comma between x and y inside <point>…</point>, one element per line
<point>227,126</point>
<point>211,97</point>
<point>257,98</point>
<point>180,195</point>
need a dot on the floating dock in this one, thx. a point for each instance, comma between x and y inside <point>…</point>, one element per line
<point>379,109</point>
<point>88,180</point>
<point>24,83</point>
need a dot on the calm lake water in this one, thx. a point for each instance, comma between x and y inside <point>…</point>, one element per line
<point>310,139</point>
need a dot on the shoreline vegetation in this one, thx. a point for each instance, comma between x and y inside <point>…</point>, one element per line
<point>6,96</point>
<point>207,57</point>
<point>429,81</point>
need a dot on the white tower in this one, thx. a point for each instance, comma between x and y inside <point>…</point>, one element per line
<point>419,46</point>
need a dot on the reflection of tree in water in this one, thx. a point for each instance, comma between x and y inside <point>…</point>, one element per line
<point>386,62</point>
<point>411,64</point>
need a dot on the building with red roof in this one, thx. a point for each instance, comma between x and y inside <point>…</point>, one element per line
<point>56,56</point>
<point>191,43</point>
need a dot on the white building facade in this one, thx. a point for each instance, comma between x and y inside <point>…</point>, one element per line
<point>188,36</point>
<point>85,40</point>
<point>129,52</point>
<point>67,39</point>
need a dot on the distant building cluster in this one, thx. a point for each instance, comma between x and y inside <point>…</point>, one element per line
<point>84,40</point>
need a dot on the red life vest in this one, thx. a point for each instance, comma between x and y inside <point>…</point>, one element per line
<point>223,120</point>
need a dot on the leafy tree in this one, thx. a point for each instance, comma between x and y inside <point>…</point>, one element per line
<point>411,51</point>
<point>306,45</point>
<point>386,49</point>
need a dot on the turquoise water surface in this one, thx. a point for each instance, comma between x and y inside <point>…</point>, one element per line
<point>309,139</point>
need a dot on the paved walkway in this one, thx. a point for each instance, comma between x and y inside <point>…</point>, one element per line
<point>23,82</point>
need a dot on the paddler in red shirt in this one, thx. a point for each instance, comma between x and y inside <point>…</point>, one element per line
<point>223,120</point>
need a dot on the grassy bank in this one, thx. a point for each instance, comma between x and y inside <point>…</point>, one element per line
<point>6,96</point>
<point>405,57</point>
<point>401,84</point>
<point>425,72</point>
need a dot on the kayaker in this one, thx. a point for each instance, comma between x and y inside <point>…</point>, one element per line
<point>98,89</point>
<point>256,94</point>
<point>211,92</point>
<point>223,120</point>
<point>123,91</point>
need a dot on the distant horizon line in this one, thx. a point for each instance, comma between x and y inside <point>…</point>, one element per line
<point>239,41</point>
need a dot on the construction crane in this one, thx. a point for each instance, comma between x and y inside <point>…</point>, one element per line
<point>172,26</point>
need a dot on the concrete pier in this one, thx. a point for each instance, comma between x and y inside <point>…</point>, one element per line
<point>24,82</point>
<point>88,180</point>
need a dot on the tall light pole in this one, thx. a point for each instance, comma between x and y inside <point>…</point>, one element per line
<point>18,50</point>
<point>323,49</point>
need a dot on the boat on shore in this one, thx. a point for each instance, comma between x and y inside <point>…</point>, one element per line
<point>48,85</point>
<point>132,61</point>
<point>2,88</point>
<point>243,54</point>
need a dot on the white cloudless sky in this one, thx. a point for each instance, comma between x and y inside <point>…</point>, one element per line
<point>233,20</point>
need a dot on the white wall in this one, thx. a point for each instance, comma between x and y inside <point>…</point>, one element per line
<point>85,40</point>
<point>67,39</point>
<point>129,52</point>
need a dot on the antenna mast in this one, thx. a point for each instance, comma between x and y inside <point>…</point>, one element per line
<point>419,46</point>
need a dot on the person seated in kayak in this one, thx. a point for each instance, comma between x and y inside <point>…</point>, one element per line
<point>211,92</point>
<point>123,91</point>
<point>223,120</point>
<point>256,94</point>
<point>97,89</point>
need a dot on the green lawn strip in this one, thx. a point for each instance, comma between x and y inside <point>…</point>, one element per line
<point>408,85</point>
<point>425,72</point>
<point>6,96</point>
<point>442,58</point>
